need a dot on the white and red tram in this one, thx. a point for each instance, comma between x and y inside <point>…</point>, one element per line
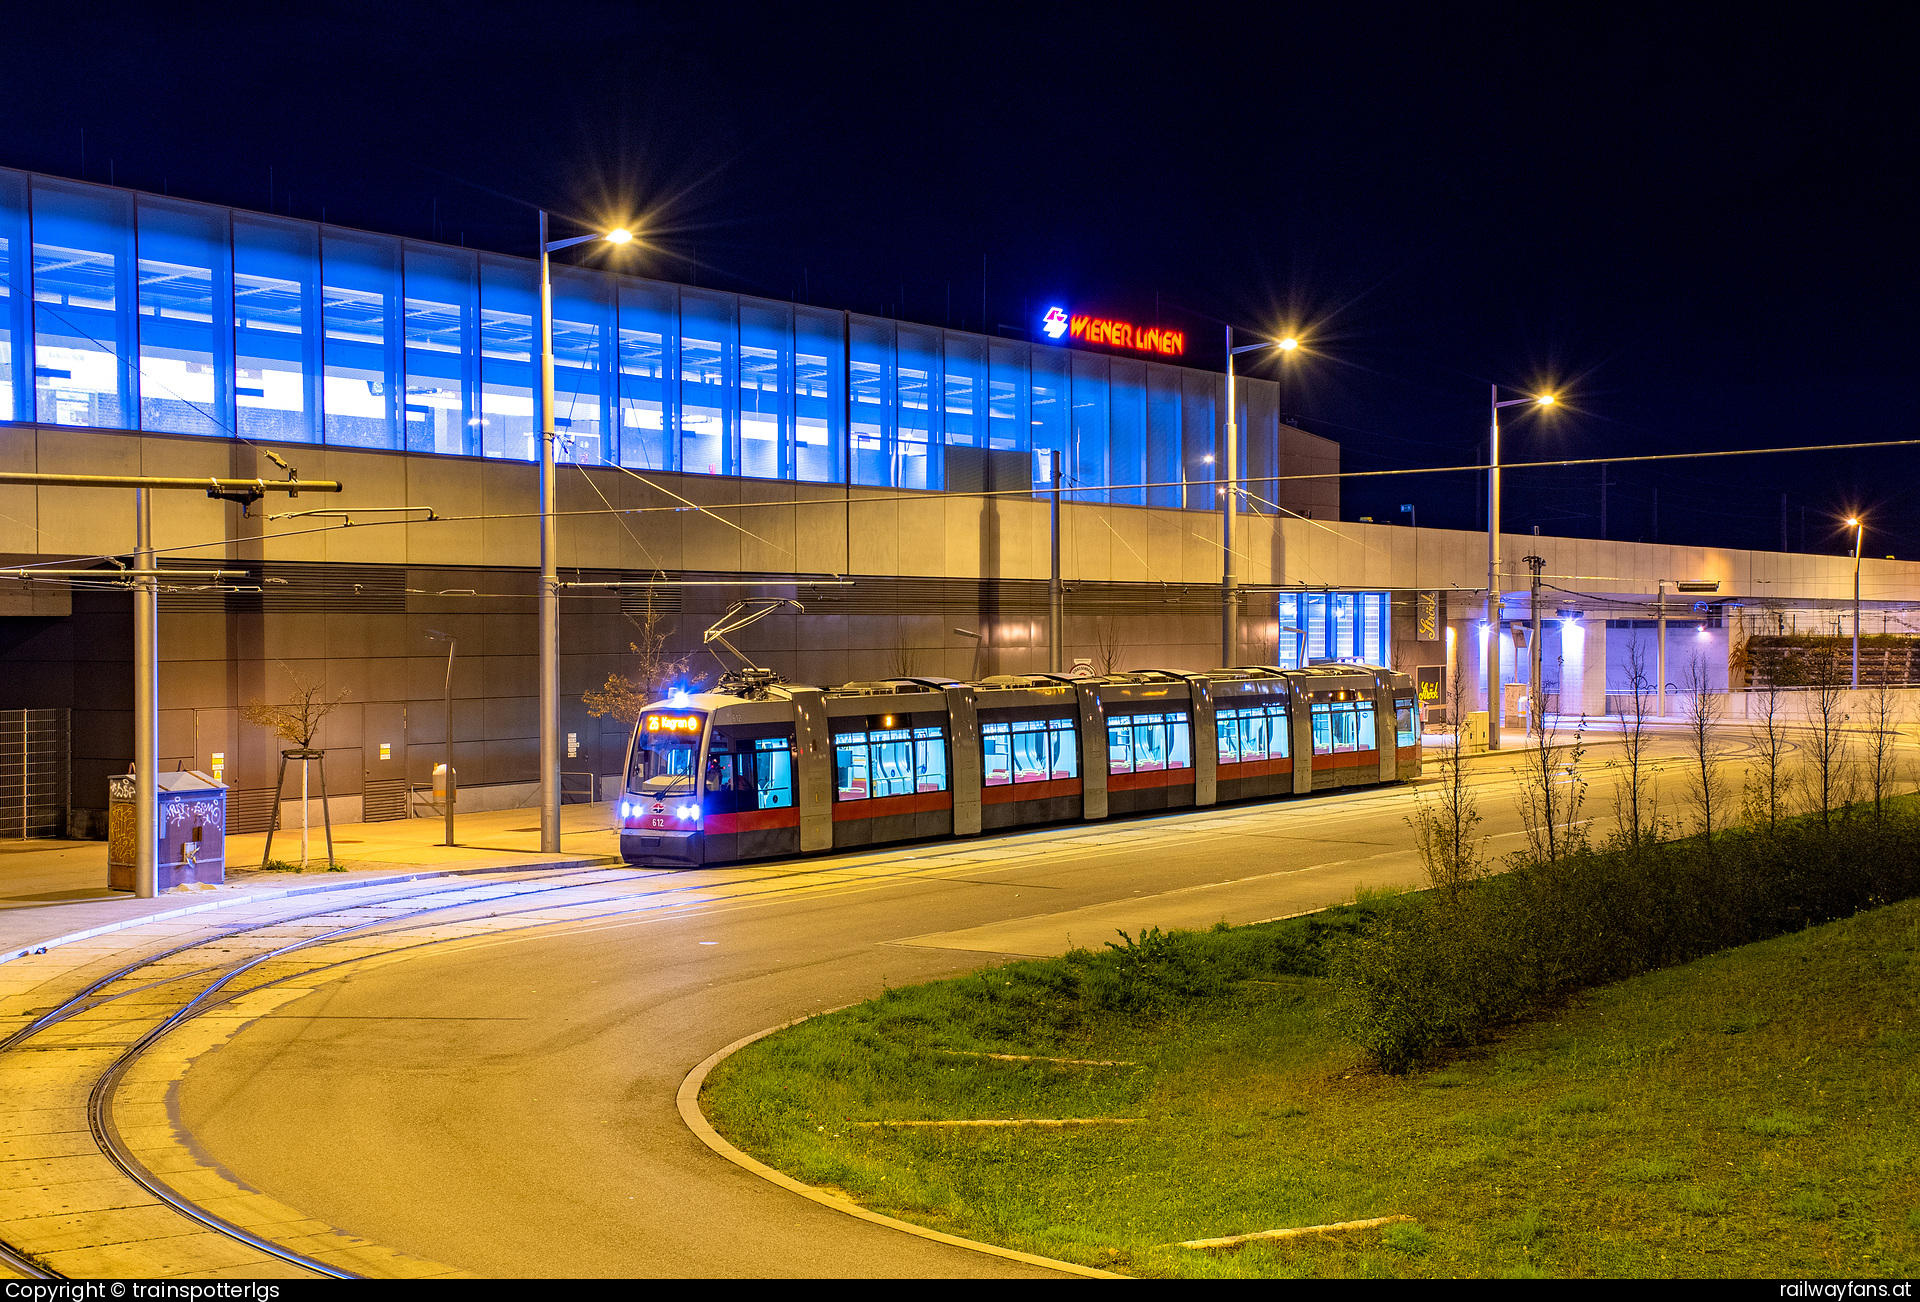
<point>763,769</point>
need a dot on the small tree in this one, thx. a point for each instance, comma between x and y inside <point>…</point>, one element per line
<point>1768,779</point>
<point>1552,790</point>
<point>655,671</point>
<point>1827,679</point>
<point>1443,824</point>
<point>298,721</point>
<point>1882,734</point>
<point>1109,643</point>
<point>1707,782</point>
<point>1633,800</point>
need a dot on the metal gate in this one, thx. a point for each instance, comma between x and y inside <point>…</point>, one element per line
<point>34,787</point>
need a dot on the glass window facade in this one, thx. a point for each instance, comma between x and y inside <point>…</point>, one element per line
<point>126,311</point>
<point>1350,626</point>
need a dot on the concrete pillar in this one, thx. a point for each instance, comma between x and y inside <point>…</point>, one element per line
<point>1583,676</point>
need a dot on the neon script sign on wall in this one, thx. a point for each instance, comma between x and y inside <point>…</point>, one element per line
<point>1113,334</point>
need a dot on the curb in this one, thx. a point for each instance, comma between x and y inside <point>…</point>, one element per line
<point>688,1100</point>
<point>287,892</point>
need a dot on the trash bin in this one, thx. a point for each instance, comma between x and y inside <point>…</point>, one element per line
<point>192,826</point>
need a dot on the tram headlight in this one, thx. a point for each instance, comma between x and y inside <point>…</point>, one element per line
<point>690,812</point>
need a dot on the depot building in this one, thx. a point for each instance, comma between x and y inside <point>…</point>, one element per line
<point>891,477</point>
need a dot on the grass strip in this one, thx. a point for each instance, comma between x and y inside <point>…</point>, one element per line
<point>1751,1113</point>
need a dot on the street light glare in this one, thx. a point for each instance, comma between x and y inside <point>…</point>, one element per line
<point>619,235</point>
<point>1545,400</point>
<point>1289,344</point>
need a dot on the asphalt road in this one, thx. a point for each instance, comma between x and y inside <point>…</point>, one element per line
<point>505,1104</point>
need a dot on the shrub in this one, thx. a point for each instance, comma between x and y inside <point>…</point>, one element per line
<point>1438,973</point>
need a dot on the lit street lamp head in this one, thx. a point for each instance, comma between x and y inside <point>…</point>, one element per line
<point>1545,400</point>
<point>619,235</point>
<point>1288,345</point>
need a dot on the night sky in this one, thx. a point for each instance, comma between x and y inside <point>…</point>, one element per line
<point>1698,228</point>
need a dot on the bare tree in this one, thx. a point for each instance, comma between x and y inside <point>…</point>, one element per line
<point>1827,778</point>
<point>1633,799</point>
<point>1109,643</point>
<point>1768,780</point>
<point>298,720</point>
<point>1883,724</point>
<point>1707,780</point>
<point>1552,789</point>
<point>656,671</point>
<point>1444,824</point>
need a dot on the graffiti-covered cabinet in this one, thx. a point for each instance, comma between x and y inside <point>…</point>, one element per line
<point>193,831</point>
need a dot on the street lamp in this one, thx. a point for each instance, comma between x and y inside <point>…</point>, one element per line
<point>1859,534</point>
<point>550,550</point>
<point>1229,583</point>
<point>1493,556</point>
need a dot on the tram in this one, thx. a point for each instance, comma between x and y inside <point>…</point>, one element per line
<point>759,768</point>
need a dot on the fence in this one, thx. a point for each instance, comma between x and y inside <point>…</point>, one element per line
<point>35,786</point>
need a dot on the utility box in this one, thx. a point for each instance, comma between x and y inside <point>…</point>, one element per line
<point>1473,732</point>
<point>192,830</point>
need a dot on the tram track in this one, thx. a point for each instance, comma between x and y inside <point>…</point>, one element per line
<point>216,985</point>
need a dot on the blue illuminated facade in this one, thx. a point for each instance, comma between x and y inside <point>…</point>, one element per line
<point>122,310</point>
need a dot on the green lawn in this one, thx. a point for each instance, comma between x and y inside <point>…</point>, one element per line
<point>1753,1113</point>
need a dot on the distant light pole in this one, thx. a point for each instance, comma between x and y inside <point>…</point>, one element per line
<point>550,552</point>
<point>1493,557</point>
<point>1413,521</point>
<point>1859,535</point>
<point>449,789</point>
<point>1229,582</point>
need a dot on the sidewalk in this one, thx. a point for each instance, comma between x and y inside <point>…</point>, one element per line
<point>55,892</point>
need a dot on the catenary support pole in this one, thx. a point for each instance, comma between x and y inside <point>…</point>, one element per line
<point>1229,581</point>
<point>1493,573</point>
<point>1055,663</point>
<point>146,705</point>
<point>1660,660</point>
<point>549,576</point>
<point>451,790</point>
<point>1535,692</point>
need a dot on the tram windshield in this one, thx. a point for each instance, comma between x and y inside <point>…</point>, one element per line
<point>667,753</point>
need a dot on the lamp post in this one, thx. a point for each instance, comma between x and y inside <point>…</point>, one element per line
<point>550,551</point>
<point>1859,535</point>
<point>1229,581</point>
<point>1493,556</point>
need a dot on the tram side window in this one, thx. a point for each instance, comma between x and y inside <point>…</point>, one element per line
<point>1028,750</point>
<point>1323,730</point>
<point>889,762</point>
<point>850,766</point>
<point>1149,743</point>
<point>1227,724</point>
<point>996,754</point>
<point>892,762</point>
<point>748,773</point>
<point>1251,734</point>
<point>773,772</point>
<point>929,759</point>
<point>1343,728</point>
<point>1063,749</point>
<point>1404,717</point>
<point>1367,717</point>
